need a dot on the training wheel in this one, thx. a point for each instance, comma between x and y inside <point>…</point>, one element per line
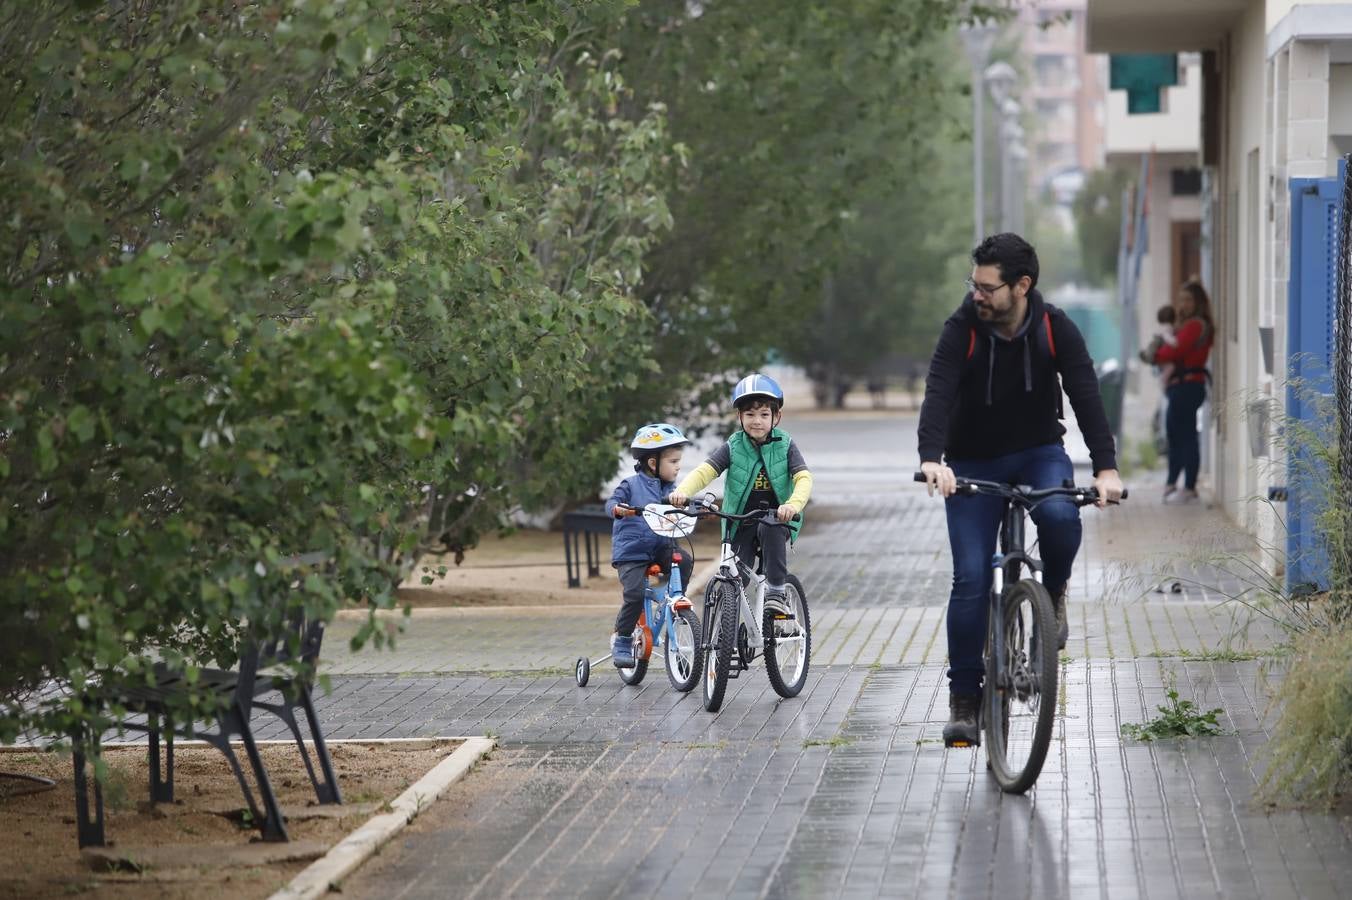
<point>583,671</point>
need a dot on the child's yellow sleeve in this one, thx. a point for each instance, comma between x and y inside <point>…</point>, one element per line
<point>802,490</point>
<point>698,480</point>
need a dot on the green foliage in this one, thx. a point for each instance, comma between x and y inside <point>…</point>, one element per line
<point>1177,718</point>
<point>287,278</point>
<point>806,125</point>
<point>357,278</point>
<point>1098,223</point>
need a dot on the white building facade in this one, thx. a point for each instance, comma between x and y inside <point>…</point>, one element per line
<point>1275,104</point>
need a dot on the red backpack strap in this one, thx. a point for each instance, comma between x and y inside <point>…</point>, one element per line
<point>971,343</point>
<point>1051,341</point>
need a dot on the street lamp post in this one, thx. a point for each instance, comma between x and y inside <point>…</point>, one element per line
<point>977,38</point>
<point>1000,78</point>
<point>1011,147</point>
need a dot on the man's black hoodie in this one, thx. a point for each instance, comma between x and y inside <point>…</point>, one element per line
<point>1007,397</point>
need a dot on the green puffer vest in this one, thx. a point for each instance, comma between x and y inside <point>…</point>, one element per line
<point>747,457</point>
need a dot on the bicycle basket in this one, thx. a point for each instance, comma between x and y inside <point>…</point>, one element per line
<point>668,521</point>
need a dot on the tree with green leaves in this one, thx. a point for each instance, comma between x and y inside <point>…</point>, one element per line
<point>1098,223</point>
<point>821,141</point>
<point>294,278</point>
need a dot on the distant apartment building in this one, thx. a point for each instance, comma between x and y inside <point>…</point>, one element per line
<point>1063,97</point>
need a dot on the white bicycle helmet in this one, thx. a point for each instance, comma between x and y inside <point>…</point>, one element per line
<point>755,386</point>
<point>654,437</point>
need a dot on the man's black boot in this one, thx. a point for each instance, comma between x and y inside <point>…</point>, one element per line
<point>962,729</point>
<point>1062,623</point>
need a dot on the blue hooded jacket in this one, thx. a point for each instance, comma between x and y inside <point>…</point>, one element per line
<point>631,539</point>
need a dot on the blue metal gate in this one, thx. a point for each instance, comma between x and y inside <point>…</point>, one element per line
<point>1311,304</point>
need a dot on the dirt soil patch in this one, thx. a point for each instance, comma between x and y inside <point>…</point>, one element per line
<point>217,857</point>
<point>526,568</point>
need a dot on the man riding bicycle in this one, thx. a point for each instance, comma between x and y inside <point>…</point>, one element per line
<point>992,411</point>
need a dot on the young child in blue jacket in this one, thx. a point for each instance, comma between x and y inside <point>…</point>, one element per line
<point>657,451</point>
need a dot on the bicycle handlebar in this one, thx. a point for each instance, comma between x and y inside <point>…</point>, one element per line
<point>698,508</point>
<point>1083,496</point>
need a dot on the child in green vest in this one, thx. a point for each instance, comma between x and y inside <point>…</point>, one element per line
<point>765,471</point>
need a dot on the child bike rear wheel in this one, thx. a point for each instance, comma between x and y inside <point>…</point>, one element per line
<point>684,651</point>
<point>721,614</point>
<point>788,641</point>
<point>634,674</point>
<point>1021,694</point>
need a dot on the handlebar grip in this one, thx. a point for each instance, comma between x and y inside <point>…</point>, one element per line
<point>920,477</point>
<point>1124,493</point>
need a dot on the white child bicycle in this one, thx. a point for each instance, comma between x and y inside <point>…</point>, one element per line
<point>739,626</point>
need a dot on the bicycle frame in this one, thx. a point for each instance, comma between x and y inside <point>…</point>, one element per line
<point>730,570</point>
<point>659,605</point>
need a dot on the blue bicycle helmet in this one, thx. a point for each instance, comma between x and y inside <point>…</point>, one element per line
<point>756,386</point>
<point>655,437</point>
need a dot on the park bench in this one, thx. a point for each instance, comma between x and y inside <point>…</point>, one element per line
<point>236,693</point>
<point>587,522</point>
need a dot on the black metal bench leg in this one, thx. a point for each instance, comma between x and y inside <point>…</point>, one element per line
<point>89,829</point>
<point>593,554</point>
<point>268,819</point>
<point>273,827</point>
<point>570,556</point>
<point>161,779</point>
<point>327,792</point>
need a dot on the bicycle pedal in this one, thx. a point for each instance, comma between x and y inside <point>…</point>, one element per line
<point>960,745</point>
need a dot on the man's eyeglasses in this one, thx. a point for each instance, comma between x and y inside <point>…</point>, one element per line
<point>985,290</point>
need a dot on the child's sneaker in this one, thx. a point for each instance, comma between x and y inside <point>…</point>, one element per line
<point>622,651</point>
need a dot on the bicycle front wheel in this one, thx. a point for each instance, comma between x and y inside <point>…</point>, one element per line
<point>788,641</point>
<point>1020,694</point>
<point>721,614</point>
<point>684,650</point>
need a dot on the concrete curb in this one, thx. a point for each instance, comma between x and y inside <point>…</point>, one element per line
<point>349,853</point>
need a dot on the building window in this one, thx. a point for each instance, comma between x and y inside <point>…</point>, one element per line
<point>1185,182</point>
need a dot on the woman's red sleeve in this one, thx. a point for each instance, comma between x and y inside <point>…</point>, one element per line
<point>1184,342</point>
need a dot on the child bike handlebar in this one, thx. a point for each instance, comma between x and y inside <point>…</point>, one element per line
<point>1082,496</point>
<point>697,508</point>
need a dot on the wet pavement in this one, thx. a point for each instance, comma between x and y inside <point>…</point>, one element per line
<point>846,791</point>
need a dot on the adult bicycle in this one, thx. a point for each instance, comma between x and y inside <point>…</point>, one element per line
<point>739,624</point>
<point>1018,700</point>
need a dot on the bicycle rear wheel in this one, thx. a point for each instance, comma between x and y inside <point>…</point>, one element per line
<point>1020,696</point>
<point>635,674</point>
<point>721,614</point>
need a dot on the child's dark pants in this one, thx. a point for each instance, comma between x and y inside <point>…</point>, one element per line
<point>774,549</point>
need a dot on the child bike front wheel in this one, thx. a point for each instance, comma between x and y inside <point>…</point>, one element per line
<point>721,609</point>
<point>788,641</point>
<point>684,650</point>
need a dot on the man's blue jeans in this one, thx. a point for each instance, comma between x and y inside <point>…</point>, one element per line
<point>974,524</point>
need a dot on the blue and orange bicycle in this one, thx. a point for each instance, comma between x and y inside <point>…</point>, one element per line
<point>668,617</point>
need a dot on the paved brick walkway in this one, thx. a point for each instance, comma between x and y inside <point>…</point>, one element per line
<point>613,791</point>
